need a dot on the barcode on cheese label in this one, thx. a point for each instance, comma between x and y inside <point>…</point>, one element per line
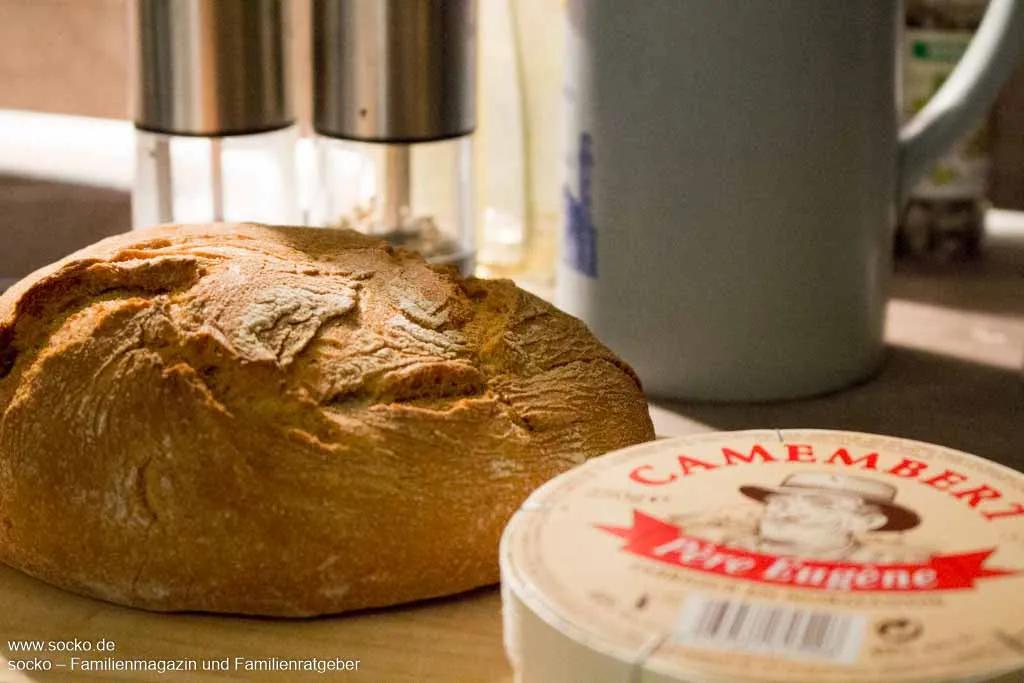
<point>775,629</point>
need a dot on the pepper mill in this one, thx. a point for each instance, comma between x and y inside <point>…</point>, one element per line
<point>215,132</point>
<point>394,113</point>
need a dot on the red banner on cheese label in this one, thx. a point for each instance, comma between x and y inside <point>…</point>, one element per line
<point>669,544</point>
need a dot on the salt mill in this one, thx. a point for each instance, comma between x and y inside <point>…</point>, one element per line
<point>394,113</point>
<point>215,130</point>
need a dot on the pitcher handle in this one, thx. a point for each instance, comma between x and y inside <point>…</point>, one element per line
<point>967,93</point>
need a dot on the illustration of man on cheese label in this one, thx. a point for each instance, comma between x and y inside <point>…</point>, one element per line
<point>822,516</point>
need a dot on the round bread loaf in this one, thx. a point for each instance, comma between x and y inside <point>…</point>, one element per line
<point>283,421</point>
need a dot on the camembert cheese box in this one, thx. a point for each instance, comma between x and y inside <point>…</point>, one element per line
<point>785,556</point>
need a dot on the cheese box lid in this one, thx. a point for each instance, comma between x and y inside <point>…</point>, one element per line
<point>805,556</point>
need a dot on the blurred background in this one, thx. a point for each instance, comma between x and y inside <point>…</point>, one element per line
<point>70,157</point>
<point>71,57</point>
<point>69,177</point>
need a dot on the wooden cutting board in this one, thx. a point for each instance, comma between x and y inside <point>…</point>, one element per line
<point>453,639</point>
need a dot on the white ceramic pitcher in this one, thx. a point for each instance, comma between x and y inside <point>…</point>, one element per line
<point>734,173</point>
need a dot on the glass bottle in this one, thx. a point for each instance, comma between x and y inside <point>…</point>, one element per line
<point>215,132</point>
<point>394,115</point>
<point>197,179</point>
<point>415,195</point>
<point>502,190</point>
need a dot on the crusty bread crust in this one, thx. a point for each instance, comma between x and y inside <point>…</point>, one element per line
<point>283,421</point>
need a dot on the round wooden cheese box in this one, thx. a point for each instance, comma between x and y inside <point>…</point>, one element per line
<point>784,556</point>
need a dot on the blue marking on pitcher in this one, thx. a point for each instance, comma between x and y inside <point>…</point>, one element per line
<point>580,234</point>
